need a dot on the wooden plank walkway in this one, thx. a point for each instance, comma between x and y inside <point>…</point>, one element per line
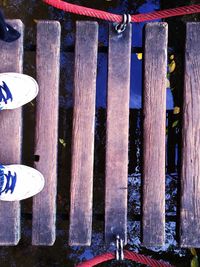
<point>117,134</point>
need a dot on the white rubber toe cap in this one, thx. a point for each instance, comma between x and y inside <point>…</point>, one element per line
<point>23,89</point>
<point>29,182</point>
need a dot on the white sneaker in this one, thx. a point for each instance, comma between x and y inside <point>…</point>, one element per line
<point>16,89</point>
<point>19,182</point>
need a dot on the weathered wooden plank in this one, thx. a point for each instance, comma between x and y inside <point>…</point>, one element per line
<point>83,133</point>
<point>46,135</point>
<point>190,169</point>
<point>117,134</point>
<point>11,58</point>
<point>154,130</point>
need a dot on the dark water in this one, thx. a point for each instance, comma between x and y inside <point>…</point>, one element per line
<point>61,254</point>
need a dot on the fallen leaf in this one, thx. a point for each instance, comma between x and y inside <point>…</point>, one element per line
<point>139,56</point>
<point>172,66</point>
<point>175,123</point>
<point>168,84</point>
<point>193,251</point>
<point>62,141</point>
<point>176,110</point>
<point>195,262</point>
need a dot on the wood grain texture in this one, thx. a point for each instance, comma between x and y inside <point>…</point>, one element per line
<point>83,133</point>
<point>11,58</point>
<point>190,169</point>
<point>46,136</point>
<point>117,134</point>
<point>154,130</point>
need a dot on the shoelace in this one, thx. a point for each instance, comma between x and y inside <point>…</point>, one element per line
<point>11,181</point>
<point>8,95</point>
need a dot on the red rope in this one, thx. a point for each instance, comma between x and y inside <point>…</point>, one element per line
<point>95,13</point>
<point>127,255</point>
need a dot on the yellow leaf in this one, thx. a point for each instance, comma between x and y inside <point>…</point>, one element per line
<point>168,84</point>
<point>139,56</point>
<point>172,57</point>
<point>176,110</point>
<point>62,141</point>
<point>194,262</point>
<point>193,251</point>
<point>172,66</point>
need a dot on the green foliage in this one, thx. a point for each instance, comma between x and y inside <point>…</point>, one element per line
<point>175,123</point>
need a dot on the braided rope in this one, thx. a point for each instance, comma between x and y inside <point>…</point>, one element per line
<point>129,255</point>
<point>89,12</point>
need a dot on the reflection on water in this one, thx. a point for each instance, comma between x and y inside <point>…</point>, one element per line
<point>61,254</point>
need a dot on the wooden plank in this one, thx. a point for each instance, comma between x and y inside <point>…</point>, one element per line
<point>11,58</point>
<point>154,130</point>
<point>83,133</point>
<point>117,134</point>
<point>190,169</point>
<point>46,135</point>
